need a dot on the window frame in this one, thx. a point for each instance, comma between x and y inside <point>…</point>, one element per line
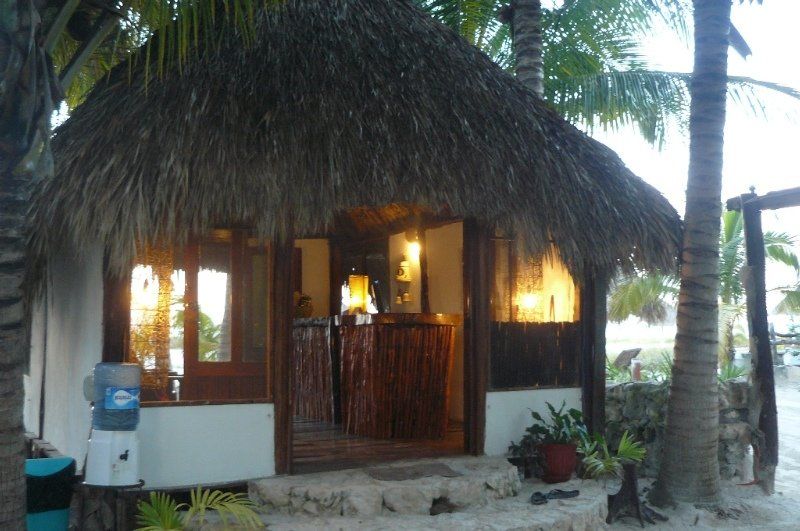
<point>116,325</point>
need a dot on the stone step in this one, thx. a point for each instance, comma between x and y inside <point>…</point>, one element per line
<point>514,512</point>
<point>355,494</point>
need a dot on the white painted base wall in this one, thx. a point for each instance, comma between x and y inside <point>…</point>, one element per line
<point>68,329</point>
<point>508,413</point>
<point>201,445</point>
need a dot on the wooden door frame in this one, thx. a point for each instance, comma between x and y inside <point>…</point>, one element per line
<point>282,371</point>
<point>476,282</point>
<point>477,330</point>
<point>593,350</point>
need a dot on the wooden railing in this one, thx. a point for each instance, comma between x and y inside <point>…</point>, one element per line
<point>781,340</point>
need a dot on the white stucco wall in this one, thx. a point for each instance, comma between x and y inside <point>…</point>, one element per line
<point>316,273</point>
<point>33,379</point>
<point>191,445</point>
<point>398,248</point>
<point>74,339</point>
<point>508,413</point>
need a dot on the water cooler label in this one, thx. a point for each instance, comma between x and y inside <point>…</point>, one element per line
<point>122,398</point>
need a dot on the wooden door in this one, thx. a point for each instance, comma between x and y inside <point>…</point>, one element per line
<point>226,328</point>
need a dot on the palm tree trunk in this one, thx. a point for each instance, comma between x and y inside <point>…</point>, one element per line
<point>689,466</point>
<point>22,105</point>
<point>527,30</point>
<point>13,347</point>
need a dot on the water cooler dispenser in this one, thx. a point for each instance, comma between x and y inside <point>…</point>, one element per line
<point>113,458</point>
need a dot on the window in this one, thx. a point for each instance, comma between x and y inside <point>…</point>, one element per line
<point>199,319</point>
<point>536,335</point>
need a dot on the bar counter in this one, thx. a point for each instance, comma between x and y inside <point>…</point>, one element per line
<point>395,374</point>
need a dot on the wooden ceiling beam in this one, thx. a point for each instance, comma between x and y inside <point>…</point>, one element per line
<point>771,201</point>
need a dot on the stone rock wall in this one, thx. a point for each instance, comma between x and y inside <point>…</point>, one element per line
<point>641,408</point>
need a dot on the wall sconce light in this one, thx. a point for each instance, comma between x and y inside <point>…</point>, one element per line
<point>359,293</point>
<point>413,247</point>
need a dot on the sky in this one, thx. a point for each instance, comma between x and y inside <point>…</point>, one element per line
<point>759,151</point>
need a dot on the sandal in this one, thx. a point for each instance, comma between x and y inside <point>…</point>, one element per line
<point>558,494</point>
<point>537,498</point>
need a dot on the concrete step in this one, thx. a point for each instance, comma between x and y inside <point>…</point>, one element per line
<point>355,494</point>
<point>487,496</point>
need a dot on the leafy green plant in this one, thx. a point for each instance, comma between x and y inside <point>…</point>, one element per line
<point>560,428</point>
<point>599,461</point>
<point>237,508</point>
<point>163,513</point>
<point>616,374</point>
<point>729,371</point>
<point>661,369</point>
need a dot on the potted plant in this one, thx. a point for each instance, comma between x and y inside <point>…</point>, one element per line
<point>302,305</point>
<point>555,440</point>
<point>607,467</point>
<point>524,455</point>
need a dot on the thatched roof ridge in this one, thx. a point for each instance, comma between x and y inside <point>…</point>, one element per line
<point>340,104</point>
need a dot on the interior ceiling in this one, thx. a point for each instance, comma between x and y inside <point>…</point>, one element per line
<point>374,222</point>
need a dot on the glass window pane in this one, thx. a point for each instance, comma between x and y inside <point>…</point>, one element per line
<point>156,320</point>
<point>214,299</point>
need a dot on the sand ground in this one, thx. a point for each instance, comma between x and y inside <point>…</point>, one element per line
<point>747,507</point>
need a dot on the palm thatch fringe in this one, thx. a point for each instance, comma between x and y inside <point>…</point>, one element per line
<point>339,104</point>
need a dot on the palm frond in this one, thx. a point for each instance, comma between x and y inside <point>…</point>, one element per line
<point>779,247</point>
<point>647,297</point>
<point>164,32</point>
<point>231,508</point>
<point>159,513</point>
<point>646,99</point>
<point>791,302</point>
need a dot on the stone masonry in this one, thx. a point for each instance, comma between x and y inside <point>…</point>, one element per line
<point>641,408</point>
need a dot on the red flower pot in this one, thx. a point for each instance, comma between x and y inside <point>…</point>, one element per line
<point>559,462</point>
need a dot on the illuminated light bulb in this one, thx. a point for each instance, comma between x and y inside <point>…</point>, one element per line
<point>529,301</point>
<point>359,289</point>
<point>414,250</point>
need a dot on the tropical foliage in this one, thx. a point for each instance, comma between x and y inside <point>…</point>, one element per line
<point>594,73</point>
<point>599,461</point>
<point>162,513</point>
<point>650,297</point>
<point>560,428</point>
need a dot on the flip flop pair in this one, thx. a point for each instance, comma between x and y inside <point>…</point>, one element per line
<point>537,498</point>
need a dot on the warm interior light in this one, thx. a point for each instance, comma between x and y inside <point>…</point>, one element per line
<point>359,291</point>
<point>414,250</point>
<point>144,292</point>
<point>543,291</point>
<point>529,301</point>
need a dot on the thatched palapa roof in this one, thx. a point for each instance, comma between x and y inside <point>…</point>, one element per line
<point>341,104</point>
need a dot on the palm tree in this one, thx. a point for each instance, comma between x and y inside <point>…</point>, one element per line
<point>525,17</point>
<point>49,50</point>
<point>649,296</point>
<point>690,467</point>
<point>593,72</point>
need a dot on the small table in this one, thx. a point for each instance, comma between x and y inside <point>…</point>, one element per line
<point>120,493</point>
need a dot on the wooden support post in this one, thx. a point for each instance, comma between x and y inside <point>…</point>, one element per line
<point>116,315</point>
<point>336,276</point>
<point>425,304</point>
<point>477,280</point>
<point>763,389</point>
<point>593,355</point>
<point>282,318</point>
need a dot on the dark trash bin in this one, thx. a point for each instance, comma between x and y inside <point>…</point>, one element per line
<point>49,487</point>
